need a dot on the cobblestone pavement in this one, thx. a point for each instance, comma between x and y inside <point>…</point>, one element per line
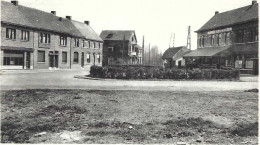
<point>65,79</point>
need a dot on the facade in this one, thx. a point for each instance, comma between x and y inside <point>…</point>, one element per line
<point>173,57</point>
<point>33,39</point>
<point>229,39</point>
<point>120,47</point>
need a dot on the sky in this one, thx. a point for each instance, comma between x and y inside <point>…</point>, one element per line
<point>156,20</point>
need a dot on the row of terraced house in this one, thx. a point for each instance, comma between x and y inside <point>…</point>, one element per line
<point>34,39</point>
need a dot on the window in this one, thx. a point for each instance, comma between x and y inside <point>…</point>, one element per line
<point>45,38</point>
<point>240,36</point>
<point>212,39</point>
<point>96,45</point>
<point>24,35</point>
<point>110,49</point>
<point>201,41</point>
<point>76,57</point>
<point>109,36</point>
<point>64,57</point>
<point>76,42</point>
<point>88,58</point>
<point>10,33</point>
<point>98,58</point>
<point>218,38</point>
<point>91,44</point>
<point>63,40</point>
<point>253,35</point>
<point>101,46</point>
<point>13,58</point>
<point>41,56</point>
<point>132,38</point>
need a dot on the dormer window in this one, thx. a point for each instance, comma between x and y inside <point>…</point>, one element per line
<point>109,36</point>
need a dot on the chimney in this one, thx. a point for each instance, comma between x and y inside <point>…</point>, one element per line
<point>60,18</point>
<point>68,17</point>
<point>216,12</point>
<point>86,22</point>
<point>53,12</point>
<point>254,2</point>
<point>14,2</point>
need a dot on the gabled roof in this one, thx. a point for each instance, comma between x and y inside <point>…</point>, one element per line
<point>240,15</point>
<point>86,31</point>
<point>171,52</point>
<point>117,34</point>
<point>37,19</point>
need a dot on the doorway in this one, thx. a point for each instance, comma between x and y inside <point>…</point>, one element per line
<point>82,59</point>
<point>28,60</point>
<point>53,59</point>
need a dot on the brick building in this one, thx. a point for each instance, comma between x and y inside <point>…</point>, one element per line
<point>120,47</point>
<point>34,39</point>
<point>229,39</point>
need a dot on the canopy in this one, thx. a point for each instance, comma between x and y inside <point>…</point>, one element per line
<point>209,51</point>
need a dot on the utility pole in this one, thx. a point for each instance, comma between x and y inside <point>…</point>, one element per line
<point>189,39</point>
<point>149,54</point>
<point>170,41</point>
<point>143,51</point>
<point>123,50</point>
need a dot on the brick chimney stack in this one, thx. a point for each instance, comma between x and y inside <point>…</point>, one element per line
<point>53,12</point>
<point>68,17</point>
<point>86,22</point>
<point>216,12</point>
<point>14,2</point>
<point>254,2</point>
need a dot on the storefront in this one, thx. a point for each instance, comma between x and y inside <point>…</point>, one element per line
<point>16,58</point>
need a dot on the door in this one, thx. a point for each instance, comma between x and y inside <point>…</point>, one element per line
<point>82,59</point>
<point>179,64</point>
<point>53,59</point>
<point>28,60</point>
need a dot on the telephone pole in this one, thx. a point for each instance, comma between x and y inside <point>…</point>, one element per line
<point>149,54</point>
<point>189,39</point>
<point>143,51</point>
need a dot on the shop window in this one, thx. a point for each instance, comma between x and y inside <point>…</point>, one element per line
<point>13,58</point>
<point>45,38</point>
<point>41,56</point>
<point>76,57</point>
<point>63,40</point>
<point>10,33</point>
<point>64,57</point>
<point>24,35</point>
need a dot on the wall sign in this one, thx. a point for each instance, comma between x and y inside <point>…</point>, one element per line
<point>220,31</point>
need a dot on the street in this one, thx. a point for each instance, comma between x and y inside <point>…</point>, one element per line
<point>65,79</point>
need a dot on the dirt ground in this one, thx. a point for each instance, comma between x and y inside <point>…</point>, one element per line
<point>96,116</point>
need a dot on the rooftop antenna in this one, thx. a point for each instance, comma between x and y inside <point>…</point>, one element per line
<point>189,39</point>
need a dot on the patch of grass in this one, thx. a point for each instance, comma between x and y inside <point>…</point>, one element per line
<point>245,129</point>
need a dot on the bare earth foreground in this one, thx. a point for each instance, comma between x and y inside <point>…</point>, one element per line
<point>128,116</point>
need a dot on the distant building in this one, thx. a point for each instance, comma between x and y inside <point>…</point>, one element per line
<point>229,39</point>
<point>34,39</point>
<point>173,57</point>
<point>120,47</point>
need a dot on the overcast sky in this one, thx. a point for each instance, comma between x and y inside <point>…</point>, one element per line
<point>155,19</point>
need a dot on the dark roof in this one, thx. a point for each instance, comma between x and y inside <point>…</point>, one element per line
<point>30,17</point>
<point>117,34</point>
<point>170,52</point>
<point>240,15</point>
<point>207,51</point>
<point>86,31</point>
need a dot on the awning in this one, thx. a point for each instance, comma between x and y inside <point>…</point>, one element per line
<point>16,48</point>
<point>209,51</point>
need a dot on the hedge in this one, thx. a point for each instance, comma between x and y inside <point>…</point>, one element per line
<point>129,72</point>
